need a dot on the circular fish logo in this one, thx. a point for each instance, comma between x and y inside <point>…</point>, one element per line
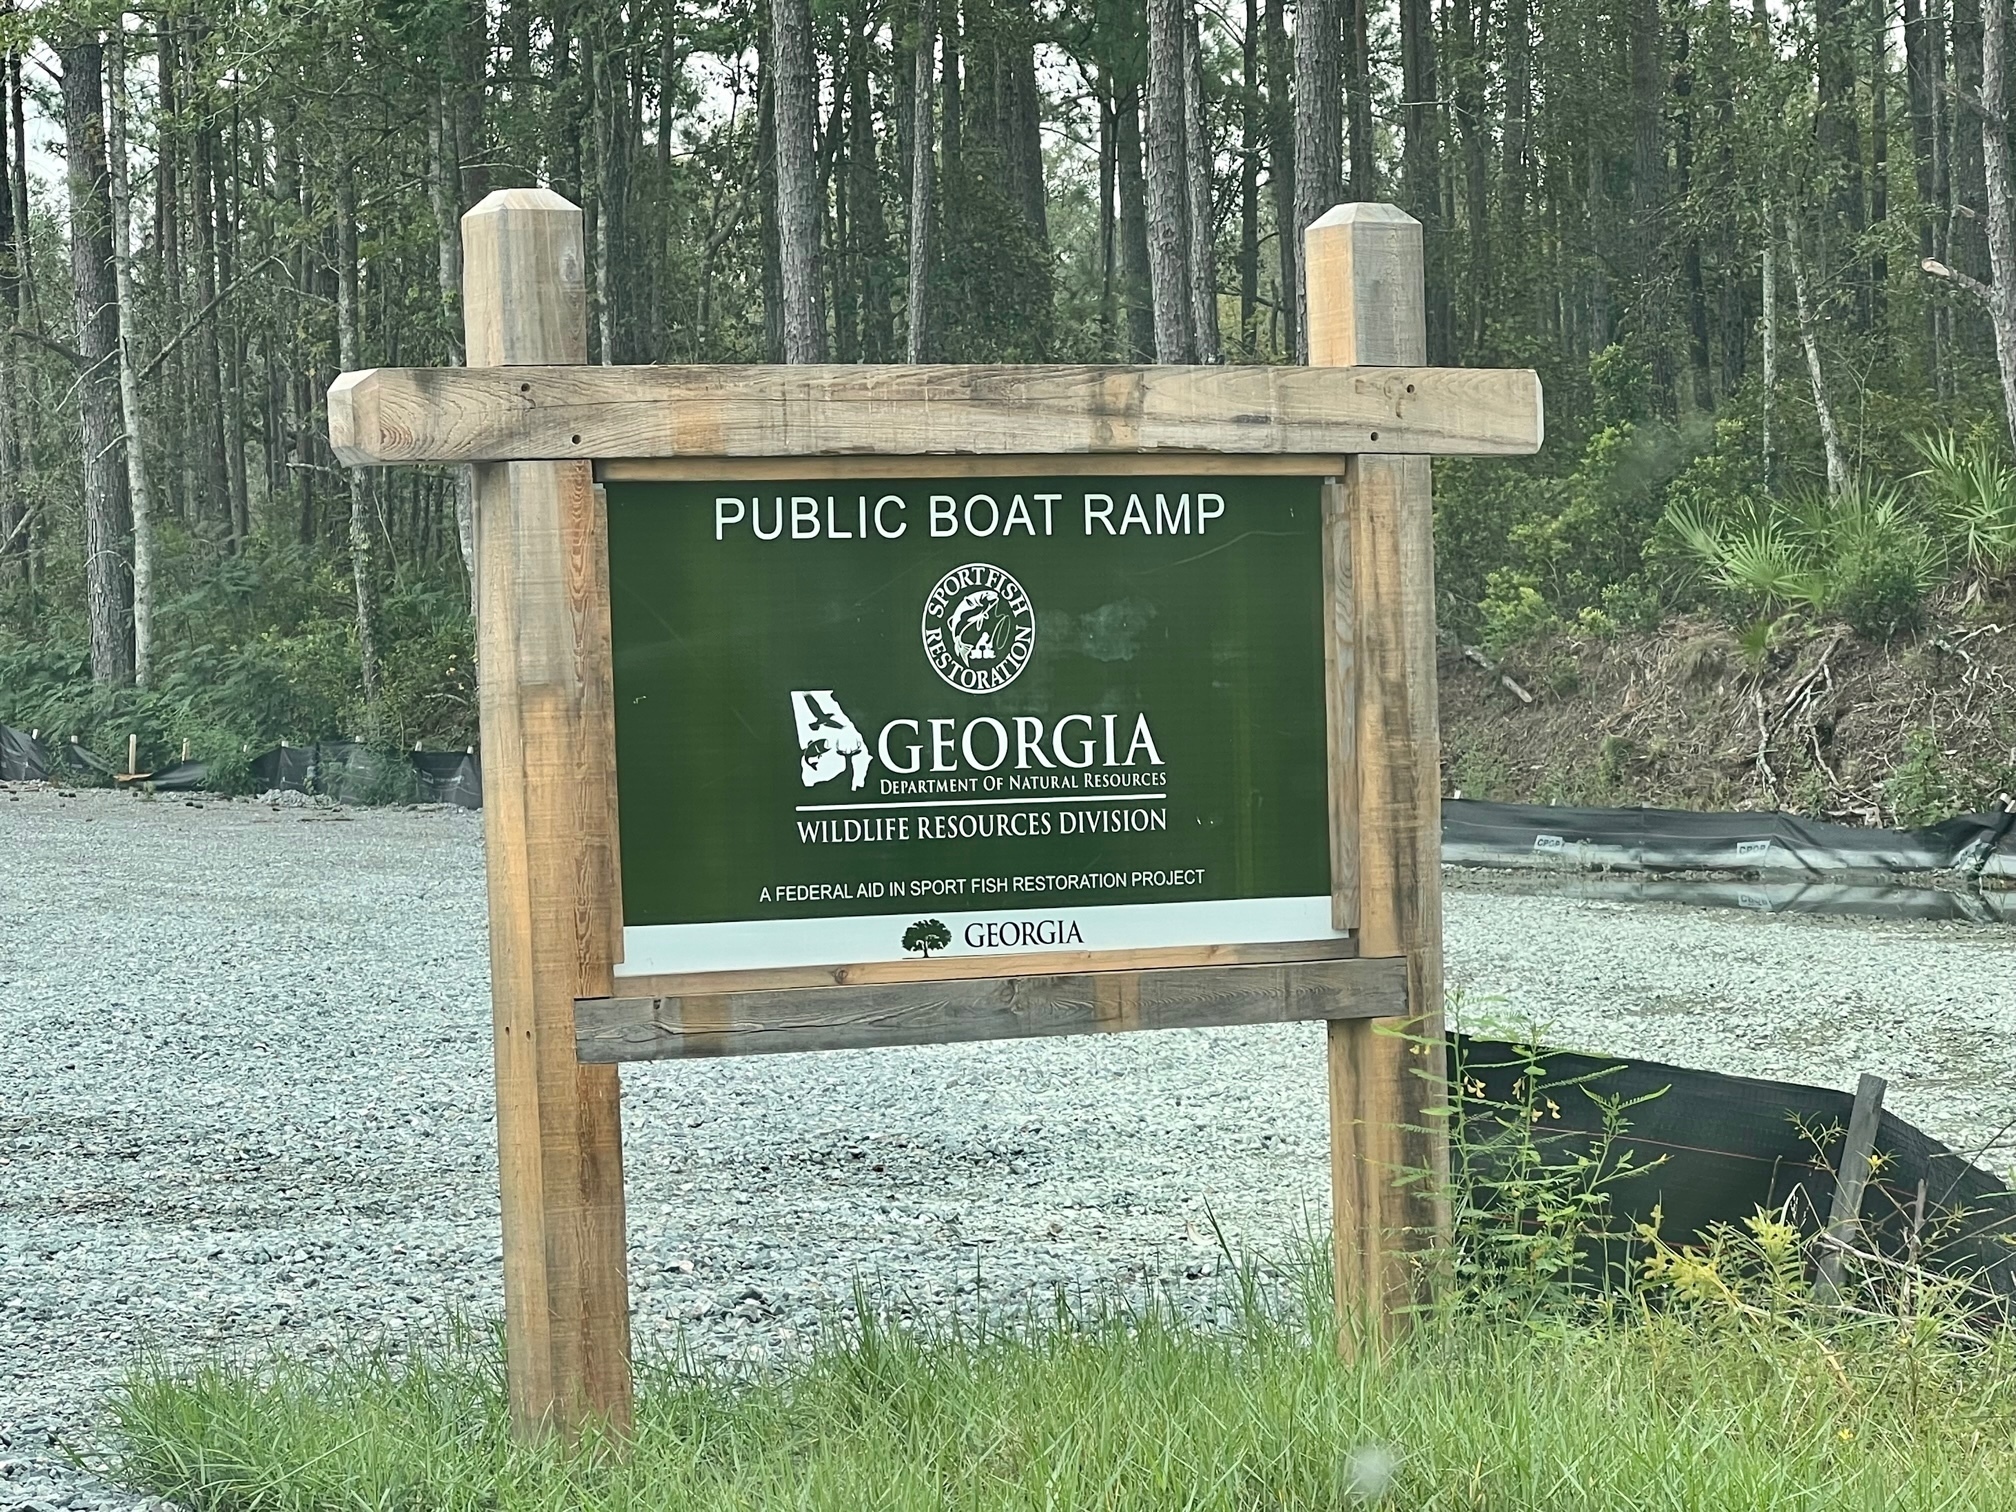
<point>979,628</point>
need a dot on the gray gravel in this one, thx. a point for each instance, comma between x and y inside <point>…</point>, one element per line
<point>247,1078</point>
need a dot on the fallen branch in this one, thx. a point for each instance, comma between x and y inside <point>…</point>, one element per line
<point>1471,653</point>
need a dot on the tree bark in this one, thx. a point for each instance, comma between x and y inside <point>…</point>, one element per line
<point>1421,157</point>
<point>923,91</point>
<point>1168,187</point>
<point>1135,277</point>
<point>349,359</point>
<point>1249,182</point>
<point>1281,170</point>
<point>129,388</point>
<point>1319,133</point>
<point>1356,18</point>
<point>1809,341</point>
<point>1201,221</point>
<point>11,502</point>
<point>211,503</point>
<point>2001,299</point>
<point>795,107</point>
<point>1770,338</point>
<point>108,585</point>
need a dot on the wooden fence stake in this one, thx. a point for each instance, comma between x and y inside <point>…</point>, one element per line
<point>1851,1176</point>
<point>549,825</point>
<point>1364,276</point>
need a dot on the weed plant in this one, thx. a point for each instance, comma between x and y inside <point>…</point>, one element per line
<point>1705,1377</point>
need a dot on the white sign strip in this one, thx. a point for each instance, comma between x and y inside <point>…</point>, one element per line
<point>651,949</point>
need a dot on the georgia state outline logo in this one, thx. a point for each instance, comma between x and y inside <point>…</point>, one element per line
<point>979,628</point>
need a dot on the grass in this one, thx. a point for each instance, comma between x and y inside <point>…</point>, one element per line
<point>1623,1407</point>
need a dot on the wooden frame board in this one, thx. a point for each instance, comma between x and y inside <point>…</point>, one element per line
<point>587,413</point>
<point>864,1016</point>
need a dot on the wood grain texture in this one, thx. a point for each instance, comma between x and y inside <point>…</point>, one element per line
<point>929,1013</point>
<point>1340,704</point>
<point>547,709</point>
<point>491,414</point>
<point>1851,1178</point>
<point>1001,465</point>
<point>1389,1155</point>
<point>959,969</point>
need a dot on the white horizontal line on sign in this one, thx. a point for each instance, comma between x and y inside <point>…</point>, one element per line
<point>830,808</point>
<point>1033,925</point>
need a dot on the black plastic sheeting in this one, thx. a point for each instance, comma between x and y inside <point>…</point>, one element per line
<point>1731,1145</point>
<point>1477,833</point>
<point>448,777</point>
<point>349,771</point>
<point>1869,900</point>
<point>80,760</point>
<point>23,758</point>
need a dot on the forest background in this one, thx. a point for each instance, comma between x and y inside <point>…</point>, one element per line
<point>1762,257</point>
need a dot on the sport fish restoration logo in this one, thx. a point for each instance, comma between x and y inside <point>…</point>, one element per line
<point>979,628</point>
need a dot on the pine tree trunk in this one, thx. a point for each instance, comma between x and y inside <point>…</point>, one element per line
<point>1356,17</point>
<point>1421,157</point>
<point>923,91</point>
<point>1809,342</point>
<point>1109,228</point>
<point>1770,338</point>
<point>2001,213</point>
<point>129,387</point>
<point>108,525</point>
<point>1281,170</point>
<point>1249,182</point>
<point>795,107</point>
<point>1919,102</point>
<point>1168,187</point>
<point>12,505</point>
<point>211,504</point>
<point>1135,278</point>
<point>1319,132</point>
<point>349,359</point>
<point>1201,222</point>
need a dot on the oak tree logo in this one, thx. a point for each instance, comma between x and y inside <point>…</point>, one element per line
<point>927,935</point>
<point>979,628</point>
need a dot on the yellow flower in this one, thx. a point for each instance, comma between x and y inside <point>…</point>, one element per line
<point>1845,1434</point>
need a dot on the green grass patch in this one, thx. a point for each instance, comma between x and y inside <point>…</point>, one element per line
<point>1625,1408</point>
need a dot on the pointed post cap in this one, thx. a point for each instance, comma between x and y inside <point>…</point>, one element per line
<point>524,280</point>
<point>1364,271</point>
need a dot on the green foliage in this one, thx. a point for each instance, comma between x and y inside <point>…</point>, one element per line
<point>1696,1406</point>
<point>1531,1201</point>
<point>1921,788</point>
<point>1863,557</point>
<point>1972,488</point>
<point>261,649</point>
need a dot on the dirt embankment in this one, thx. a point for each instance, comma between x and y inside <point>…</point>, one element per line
<point>1698,716</point>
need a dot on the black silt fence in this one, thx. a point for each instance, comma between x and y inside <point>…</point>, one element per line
<point>1729,1145</point>
<point>1477,833</point>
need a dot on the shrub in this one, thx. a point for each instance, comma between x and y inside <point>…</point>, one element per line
<point>1862,556</point>
<point>1972,490</point>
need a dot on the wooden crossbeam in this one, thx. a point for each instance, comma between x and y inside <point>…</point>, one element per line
<point>930,1013</point>
<point>497,414</point>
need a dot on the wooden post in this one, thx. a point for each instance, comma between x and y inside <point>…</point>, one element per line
<point>1850,1178</point>
<point>132,755</point>
<point>549,828</point>
<point>1389,1157</point>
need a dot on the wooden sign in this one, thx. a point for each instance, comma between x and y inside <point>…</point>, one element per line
<point>943,703</point>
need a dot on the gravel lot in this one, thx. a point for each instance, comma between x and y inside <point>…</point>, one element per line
<point>246,1088</point>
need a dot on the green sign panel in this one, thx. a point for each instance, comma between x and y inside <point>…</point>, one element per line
<point>870,720</point>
